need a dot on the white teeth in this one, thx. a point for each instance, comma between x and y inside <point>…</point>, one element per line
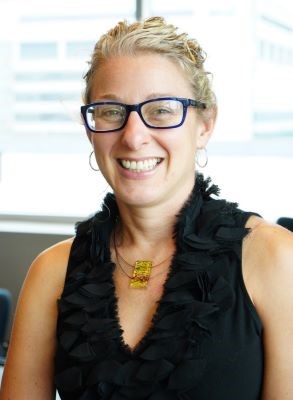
<point>132,165</point>
<point>138,166</point>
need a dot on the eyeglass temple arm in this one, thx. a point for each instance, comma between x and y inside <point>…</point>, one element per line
<point>197,104</point>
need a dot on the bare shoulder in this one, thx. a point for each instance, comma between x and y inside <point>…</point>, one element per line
<point>51,265</point>
<point>268,263</point>
<point>34,328</point>
<point>268,275</point>
<point>268,242</point>
<point>59,251</point>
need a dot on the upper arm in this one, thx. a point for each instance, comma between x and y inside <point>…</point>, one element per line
<point>28,372</point>
<point>269,260</point>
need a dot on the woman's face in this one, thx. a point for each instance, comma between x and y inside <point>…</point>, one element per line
<point>169,153</point>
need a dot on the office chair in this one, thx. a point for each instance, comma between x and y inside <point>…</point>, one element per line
<point>5,309</point>
<point>286,223</point>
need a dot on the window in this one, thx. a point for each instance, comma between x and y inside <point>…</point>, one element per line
<point>38,50</point>
<point>79,49</point>
<point>45,96</point>
<point>44,49</point>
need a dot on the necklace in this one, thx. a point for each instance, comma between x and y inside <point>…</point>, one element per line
<point>138,280</point>
<point>131,265</point>
<point>142,269</point>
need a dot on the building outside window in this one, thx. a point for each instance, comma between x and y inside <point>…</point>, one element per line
<point>44,49</point>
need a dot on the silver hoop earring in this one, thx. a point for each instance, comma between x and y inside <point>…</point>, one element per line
<point>202,157</point>
<point>90,162</point>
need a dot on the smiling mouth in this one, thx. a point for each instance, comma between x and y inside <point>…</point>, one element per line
<point>141,165</point>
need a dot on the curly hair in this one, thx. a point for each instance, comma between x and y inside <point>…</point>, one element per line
<point>154,35</point>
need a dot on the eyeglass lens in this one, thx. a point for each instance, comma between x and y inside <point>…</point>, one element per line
<point>158,114</point>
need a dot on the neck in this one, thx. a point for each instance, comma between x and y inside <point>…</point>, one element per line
<point>142,228</point>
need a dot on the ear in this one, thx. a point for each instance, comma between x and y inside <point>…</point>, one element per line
<point>208,124</point>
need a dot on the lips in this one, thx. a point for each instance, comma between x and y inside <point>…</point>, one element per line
<point>141,165</point>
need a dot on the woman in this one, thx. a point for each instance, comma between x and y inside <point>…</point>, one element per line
<point>168,292</point>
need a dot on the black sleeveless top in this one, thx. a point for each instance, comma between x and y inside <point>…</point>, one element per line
<point>205,342</point>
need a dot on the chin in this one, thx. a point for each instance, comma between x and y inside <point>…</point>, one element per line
<point>140,197</point>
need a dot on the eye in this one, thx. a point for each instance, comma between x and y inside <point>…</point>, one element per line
<point>161,110</point>
<point>109,112</point>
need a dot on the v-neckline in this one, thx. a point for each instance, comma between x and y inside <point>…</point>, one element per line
<point>123,345</point>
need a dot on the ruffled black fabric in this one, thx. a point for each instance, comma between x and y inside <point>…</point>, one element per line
<point>92,361</point>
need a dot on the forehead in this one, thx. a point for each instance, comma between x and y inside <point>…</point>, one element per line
<point>135,78</point>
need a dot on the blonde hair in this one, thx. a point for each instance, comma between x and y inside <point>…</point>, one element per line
<point>154,35</point>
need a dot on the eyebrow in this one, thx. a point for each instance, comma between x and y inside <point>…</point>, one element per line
<point>108,96</point>
<point>158,95</point>
<point>114,97</point>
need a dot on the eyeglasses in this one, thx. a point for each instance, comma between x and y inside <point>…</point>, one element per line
<point>161,113</point>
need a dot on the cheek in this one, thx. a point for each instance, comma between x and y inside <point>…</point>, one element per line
<point>102,144</point>
<point>180,146</point>
<point>190,137</point>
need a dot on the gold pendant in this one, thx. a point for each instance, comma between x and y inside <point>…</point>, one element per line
<point>141,274</point>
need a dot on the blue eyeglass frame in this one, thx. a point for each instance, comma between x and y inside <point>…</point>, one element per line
<point>137,107</point>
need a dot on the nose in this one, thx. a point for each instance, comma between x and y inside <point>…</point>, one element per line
<point>135,134</point>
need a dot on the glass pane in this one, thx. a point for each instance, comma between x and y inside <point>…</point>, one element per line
<point>249,48</point>
<point>252,67</point>
<point>79,49</point>
<point>44,49</point>
<point>38,50</point>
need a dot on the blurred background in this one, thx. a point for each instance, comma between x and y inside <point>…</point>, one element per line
<point>45,180</point>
